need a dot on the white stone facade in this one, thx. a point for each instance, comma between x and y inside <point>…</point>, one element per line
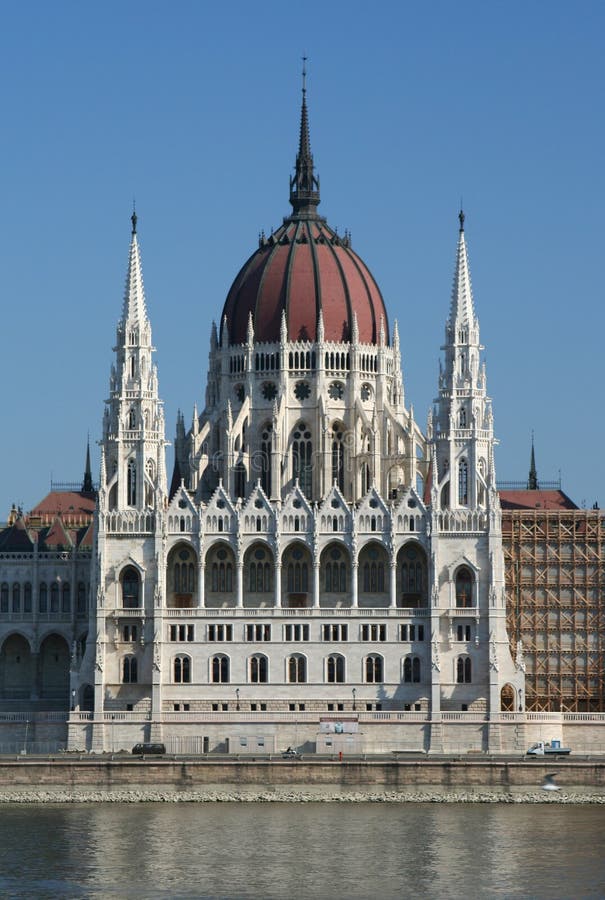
<point>320,553</point>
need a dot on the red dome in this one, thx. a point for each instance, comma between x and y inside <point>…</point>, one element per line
<point>302,269</point>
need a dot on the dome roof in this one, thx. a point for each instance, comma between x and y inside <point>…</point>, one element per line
<point>304,269</point>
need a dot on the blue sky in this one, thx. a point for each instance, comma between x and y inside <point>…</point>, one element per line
<point>193,108</point>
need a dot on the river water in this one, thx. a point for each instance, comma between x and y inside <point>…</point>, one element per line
<point>299,850</point>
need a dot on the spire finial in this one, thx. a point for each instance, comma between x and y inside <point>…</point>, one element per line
<point>304,184</point>
<point>87,485</point>
<point>461,217</point>
<point>133,217</point>
<point>532,481</point>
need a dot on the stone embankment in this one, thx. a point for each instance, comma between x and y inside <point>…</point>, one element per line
<point>294,796</point>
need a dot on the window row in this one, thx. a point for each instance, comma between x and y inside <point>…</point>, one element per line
<point>296,669</point>
<point>53,598</point>
<point>299,632</point>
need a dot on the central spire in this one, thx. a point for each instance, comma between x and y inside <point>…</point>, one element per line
<point>304,184</point>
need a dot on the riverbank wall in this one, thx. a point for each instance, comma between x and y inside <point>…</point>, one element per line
<point>316,777</point>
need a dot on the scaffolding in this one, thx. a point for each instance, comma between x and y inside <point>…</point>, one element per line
<point>555,584</point>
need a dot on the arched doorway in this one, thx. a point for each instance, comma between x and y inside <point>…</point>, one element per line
<point>16,669</point>
<point>507,698</point>
<point>412,576</point>
<point>181,577</point>
<point>373,576</point>
<point>54,668</point>
<point>297,576</point>
<point>220,576</point>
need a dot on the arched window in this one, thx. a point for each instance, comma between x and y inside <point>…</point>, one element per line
<point>260,578</point>
<point>222,574</point>
<point>297,669</point>
<point>182,670</point>
<point>4,597</point>
<point>54,597</point>
<point>365,478</point>
<point>411,669</point>
<point>149,482</point>
<point>463,482</point>
<point>373,577</point>
<point>335,577</point>
<point>259,669</point>
<point>298,577</point>
<point>42,598</point>
<point>132,483</point>
<point>129,670</point>
<point>335,669</point>
<point>219,671</point>
<point>374,669</point>
<point>481,483</point>
<point>463,670</point>
<point>130,588</point>
<point>266,448</point>
<point>302,459</point>
<point>462,417</point>
<point>464,587</point>
<point>66,598</point>
<point>132,418</point>
<point>16,598</point>
<point>338,457</point>
<point>27,597</point>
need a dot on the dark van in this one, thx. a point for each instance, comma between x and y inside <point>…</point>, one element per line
<point>149,749</point>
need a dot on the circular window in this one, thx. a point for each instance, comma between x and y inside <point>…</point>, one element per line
<point>183,554</point>
<point>297,504</point>
<point>373,553</point>
<point>182,504</point>
<point>411,553</point>
<point>336,390</point>
<point>335,553</point>
<point>335,504</point>
<point>269,390</point>
<point>297,553</point>
<point>412,504</point>
<point>259,554</point>
<point>220,504</point>
<point>222,554</point>
<point>258,504</point>
<point>374,503</point>
<point>302,390</point>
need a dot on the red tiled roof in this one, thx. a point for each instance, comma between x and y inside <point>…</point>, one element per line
<point>70,505</point>
<point>305,268</point>
<point>525,499</point>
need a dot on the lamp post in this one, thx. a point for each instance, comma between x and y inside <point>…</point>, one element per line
<point>73,700</point>
<point>520,700</point>
<point>237,698</point>
<point>354,692</point>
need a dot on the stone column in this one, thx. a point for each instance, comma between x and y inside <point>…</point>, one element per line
<point>277,576</point>
<point>316,585</point>
<point>240,584</point>
<point>354,585</point>
<point>393,584</point>
<point>201,584</point>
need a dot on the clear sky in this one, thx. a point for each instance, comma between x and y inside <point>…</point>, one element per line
<point>193,108</point>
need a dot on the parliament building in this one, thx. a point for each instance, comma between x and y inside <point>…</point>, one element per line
<point>320,570</point>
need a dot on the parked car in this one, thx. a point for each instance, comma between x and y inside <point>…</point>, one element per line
<point>149,749</point>
<point>290,753</point>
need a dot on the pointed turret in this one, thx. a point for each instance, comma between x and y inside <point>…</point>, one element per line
<point>133,426</point>
<point>87,485</point>
<point>304,184</point>
<point>463,426</point>
<point>462,312</point>
<point>134,296</point>
<point>532,481</point>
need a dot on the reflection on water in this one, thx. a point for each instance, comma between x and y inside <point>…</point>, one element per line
<point>296,850</point>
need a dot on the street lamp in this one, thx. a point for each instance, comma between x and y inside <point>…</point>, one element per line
<point>520,700</point>
<point>237,698</point>
<point>354,692</point>
<point>73,700</point>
